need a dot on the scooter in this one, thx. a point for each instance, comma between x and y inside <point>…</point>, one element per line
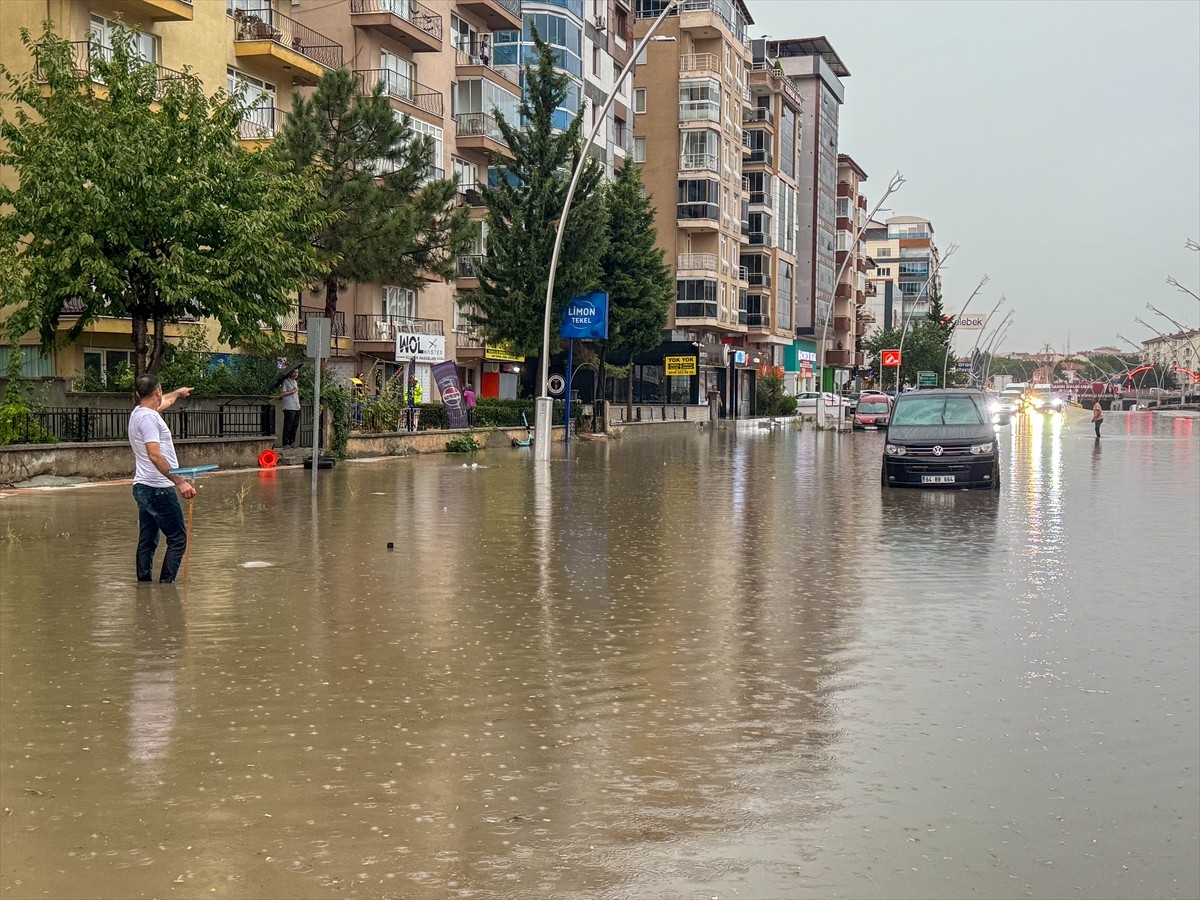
<point>526,441</point>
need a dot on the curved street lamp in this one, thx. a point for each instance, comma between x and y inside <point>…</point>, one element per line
<point>917,299</point>
<point>543,406</point>
<point>978,338</point>
<point>819,374</point>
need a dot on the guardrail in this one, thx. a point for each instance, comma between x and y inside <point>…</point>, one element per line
<point>81,426</point>
<point>402,88</point>
<point>267,25</point>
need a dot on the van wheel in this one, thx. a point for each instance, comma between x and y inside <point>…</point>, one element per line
<point>996,477</point>
<point>883,482</point>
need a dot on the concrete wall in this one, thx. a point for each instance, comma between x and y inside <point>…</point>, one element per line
<point>406,443</point>
<point>20,462</point>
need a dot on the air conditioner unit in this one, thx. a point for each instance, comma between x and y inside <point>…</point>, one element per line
<point>600,23</point>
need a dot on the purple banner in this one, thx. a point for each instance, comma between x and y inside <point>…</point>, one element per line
<point>445,375</point>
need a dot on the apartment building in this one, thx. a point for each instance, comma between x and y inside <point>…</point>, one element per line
<point>691,91</point>
<point>904,260</point>
<point>770,171</point>
<point>850,295</point>
<point>438,66</point>
<point>255,45</point>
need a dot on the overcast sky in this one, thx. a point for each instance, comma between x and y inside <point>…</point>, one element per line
<point>1057,143</point>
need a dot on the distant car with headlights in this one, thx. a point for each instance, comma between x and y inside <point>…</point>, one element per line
<point>873,411</point>
<point>941,438</point>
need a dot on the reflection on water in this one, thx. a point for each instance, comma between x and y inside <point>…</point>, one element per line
<point>720,663</point>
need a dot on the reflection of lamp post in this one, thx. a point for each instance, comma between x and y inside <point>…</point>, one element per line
<point>819,374</point>
<point>543,415</point>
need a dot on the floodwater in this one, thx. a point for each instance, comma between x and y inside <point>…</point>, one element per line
<point>717,665</point>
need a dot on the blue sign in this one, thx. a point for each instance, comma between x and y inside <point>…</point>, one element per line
<point>586,317</point>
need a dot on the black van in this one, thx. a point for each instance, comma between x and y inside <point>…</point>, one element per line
<point>941,438</point>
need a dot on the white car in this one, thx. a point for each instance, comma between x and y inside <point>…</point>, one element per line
<point>806,402</point>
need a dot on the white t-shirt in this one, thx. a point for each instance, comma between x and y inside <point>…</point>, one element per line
<point>290,401</point>
<point>147,426</point>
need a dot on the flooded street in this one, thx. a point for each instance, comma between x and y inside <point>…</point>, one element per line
<point>718,665</point>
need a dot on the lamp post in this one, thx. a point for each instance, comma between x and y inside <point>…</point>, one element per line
<point>819,374</point>
<point>993,346</point>
<point>1174,353</point>
<point>543,408</point>
<point>924,290</point>
<point>1185,333</point>
<point>982,329</point>
<point>954,325</point>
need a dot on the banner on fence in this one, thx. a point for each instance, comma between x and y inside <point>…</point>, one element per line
<point>445,375</point>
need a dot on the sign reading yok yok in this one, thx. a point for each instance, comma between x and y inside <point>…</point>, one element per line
<point>422,348</point>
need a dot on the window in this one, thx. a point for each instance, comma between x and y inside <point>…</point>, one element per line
<point>883,272</point>
<point>464,36</point>
<point>621,23</point>
<point>398,303</point>
<point>699,100</point>
<point>696,298</point>
<point>698,198</point>
<point>597,64</point>
<point>106,363</point>
<point>420,127</point>
<point>466,172</point>
<point>844,209</point>
<point>639,100</point>
<point>699,149</point>
<point>883,252</point>
<point>259,118</point>
<point>146,46</point>
<point>639,149</point>
<point>398,75</point>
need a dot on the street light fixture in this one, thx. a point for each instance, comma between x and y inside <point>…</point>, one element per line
<point>924,290</point>
<point>954,325</point>
<point>543,406</point>
<point>978,338</point>
<point>1175,284</point>
<point>819,374</point>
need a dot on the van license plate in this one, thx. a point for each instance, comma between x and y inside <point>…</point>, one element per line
<point>937,479</point>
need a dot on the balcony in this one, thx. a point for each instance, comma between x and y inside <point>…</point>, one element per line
<point>471,65</point>
<point>700,64</point>
<point>296,322</point>
<point>84,52</point>
<point>499,15</point>
<point>468,267</point>
<point>707,19</point>
<point>702,111</point>
<point>471,193</point>
<point>479,131</point>
<point>838,358</point>
<point>697,262</point>
<point>698,216</point>
<point>469,339</point>
<point>860,264</point>
<point>759,279</point>
<point>761,239</point>
<point>692,310</point>
<point>763,76</point>
<point>844,291</point>
<point>841,324</point>
<point>860,327</point>
<point>757,321</point>
<point>406,21</point>
<point>282,46</point>
<point>845,189</point>
<point>699,162</point>
<point>757,115</point>
<point>411,96</point>
<point>762,198</point>
<point>154,10</point>
<point>260,126</point>
<point>382,329</point>
<point>757,156</point>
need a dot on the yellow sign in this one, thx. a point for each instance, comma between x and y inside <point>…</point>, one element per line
<point>501,352</point>
<point>679,365</point>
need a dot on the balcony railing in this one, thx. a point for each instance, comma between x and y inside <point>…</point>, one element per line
<point>402,88</point>
<point>267,25</point>
<point>781,81</point>
<point>762,238</point>
<point>297,320</point>
<point>743,274</point>
<point>468,339</point>
<point>699,111</point>
<point>760,279</point>
<point>762,198</point>
<point>757,319</point>
<point>262,123</point>
<point>73,309</point>
<point>758,155</point>
<point>511,74</point>
<point>409,10</point>
<point>83,53</point>
<point>756,114</point>
<point>705,261</point>
<point>651,9</point>
<point>691,310</point>
<point>692,162</point>
<point>384,328</point>
<point>477,124</point>
<point>700,62</point>
<point>470,265</point>
<point>697,211</point>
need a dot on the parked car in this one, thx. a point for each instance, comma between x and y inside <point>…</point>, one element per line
<point>942,438</point>
<point>873,411</point>
<point>806,402</point>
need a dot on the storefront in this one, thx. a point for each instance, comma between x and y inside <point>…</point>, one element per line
<point>799,362</point>
<point>501,375</point>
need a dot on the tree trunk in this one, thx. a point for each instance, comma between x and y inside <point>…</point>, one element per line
<point>629,393</point>
<point>138,337</point>
<point>331,297</point>
<point>158,345</point>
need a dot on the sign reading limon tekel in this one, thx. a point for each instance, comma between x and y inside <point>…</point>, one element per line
<point>679,365</point>
<point>586,317</point>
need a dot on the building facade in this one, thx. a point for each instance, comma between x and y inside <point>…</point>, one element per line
<point>903,267</point>
<point>690,95</point>
<point>850,295</point>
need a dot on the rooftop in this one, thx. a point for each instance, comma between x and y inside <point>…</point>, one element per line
<point>845,159</point>
<point>811,46</point>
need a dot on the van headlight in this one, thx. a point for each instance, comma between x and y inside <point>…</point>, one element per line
<point>894,450</point>
<point>980,449</point>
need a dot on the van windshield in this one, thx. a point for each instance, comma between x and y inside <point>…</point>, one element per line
<point>918,410</point>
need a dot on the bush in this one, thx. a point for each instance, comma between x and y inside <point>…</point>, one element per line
<point>770,400</point>
<point>462,443</point>
<point>19,421</point>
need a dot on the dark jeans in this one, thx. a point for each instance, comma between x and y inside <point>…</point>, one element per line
<point>291,424</point>
<point>1098,423</point>
<point>159,510</point>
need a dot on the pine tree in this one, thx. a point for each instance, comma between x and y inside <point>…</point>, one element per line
<point>523,211</point>
<point>638,282</point>
<point>390,220</point>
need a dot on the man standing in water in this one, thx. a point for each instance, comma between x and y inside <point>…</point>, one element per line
<point>156,491</point>
<point>1097,417</point>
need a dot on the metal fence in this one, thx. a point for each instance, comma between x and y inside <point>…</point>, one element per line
<point>69,425</point>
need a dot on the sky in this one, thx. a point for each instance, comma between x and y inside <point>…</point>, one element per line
<point>1058,144</point>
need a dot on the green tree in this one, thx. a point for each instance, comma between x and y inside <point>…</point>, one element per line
<point>387,219</point>
<point>924,351</point>
<point>639,284</point>
<point>135,201</point>
<point>523,211</point>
